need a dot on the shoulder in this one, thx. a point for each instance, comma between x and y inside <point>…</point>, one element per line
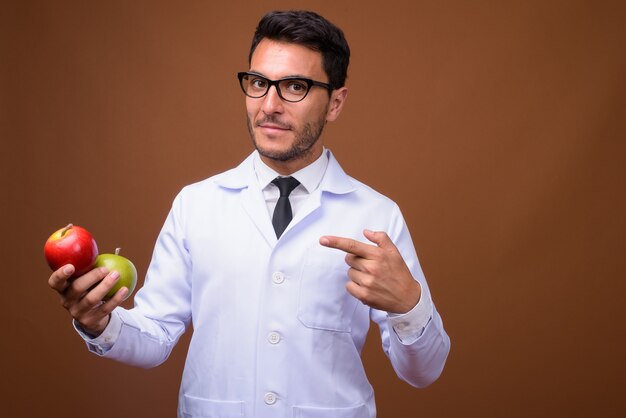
<point>372,196</point>
<point>202,187</point>
<point>234,179</point>
<point>337,182</point>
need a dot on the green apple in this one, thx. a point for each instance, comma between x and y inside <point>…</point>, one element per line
<point>127,270</point>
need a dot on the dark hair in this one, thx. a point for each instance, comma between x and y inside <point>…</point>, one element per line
<point>313,31</point>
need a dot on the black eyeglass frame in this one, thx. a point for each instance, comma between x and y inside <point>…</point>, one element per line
<point>310,83</point>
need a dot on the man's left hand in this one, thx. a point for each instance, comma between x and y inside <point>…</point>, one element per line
<point>379,276</point>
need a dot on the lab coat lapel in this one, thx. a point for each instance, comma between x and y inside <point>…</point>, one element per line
<point>243,178</point>
<point>309,206</point>
<point>335,181</point>
<point>256,208</point>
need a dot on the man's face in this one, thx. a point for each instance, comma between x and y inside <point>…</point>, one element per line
<point>287,135</point>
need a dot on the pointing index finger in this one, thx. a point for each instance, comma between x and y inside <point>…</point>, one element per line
<point>348,245</point>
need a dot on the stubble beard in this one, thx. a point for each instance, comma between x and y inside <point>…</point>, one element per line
<point>302,145</point>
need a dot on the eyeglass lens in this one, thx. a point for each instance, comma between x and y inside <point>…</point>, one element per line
<point>291,89</point>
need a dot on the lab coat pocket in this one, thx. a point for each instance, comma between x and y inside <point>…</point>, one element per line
<point>360,411</point>
<point>193,407</point>
<point>324,303</point>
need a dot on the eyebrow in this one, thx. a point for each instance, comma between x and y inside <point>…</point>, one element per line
<point>308,77</point>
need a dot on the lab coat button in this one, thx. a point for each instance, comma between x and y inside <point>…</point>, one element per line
<point>273,337</point>
<point>278,277</point>
<point>270,398</point>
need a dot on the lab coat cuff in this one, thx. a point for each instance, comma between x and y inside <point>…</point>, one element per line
<point>105,341</point>
<point>409,326</point>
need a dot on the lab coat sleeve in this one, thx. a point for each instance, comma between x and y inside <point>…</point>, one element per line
<point>420,361</point>
<point>162,308</point>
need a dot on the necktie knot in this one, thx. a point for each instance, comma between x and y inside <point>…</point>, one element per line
<point>285,185</point>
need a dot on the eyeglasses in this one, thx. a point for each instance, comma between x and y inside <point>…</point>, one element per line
<point>290,89</point>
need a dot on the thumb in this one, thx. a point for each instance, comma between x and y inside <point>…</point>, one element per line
<point>380,238</point>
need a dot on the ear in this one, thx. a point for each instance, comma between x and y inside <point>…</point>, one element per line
<point>337,100</point>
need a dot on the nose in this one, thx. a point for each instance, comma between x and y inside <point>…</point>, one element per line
<point>272,103</point>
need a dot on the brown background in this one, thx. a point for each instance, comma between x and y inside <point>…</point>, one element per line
<point>504,121</point>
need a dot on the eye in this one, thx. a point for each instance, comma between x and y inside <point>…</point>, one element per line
<point>258,83</point>
<point>296,86</point>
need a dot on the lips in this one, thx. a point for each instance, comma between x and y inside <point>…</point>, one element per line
<point>273,130</point>
<point>273,125</point>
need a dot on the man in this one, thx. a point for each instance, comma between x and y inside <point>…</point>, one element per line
<point>280,307</point>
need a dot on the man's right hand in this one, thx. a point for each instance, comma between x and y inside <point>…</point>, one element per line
<point>83,296</point>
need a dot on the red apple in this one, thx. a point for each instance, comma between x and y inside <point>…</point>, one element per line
<point>126,269</point>
<point>71,245</point>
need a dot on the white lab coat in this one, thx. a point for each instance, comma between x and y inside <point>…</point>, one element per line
<point>275,333</point>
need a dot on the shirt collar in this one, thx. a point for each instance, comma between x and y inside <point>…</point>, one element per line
<point>309,176</point>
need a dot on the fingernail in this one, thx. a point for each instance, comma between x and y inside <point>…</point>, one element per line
<point>324,241</point>
<point>69,269</point>
<point>115,274</point>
